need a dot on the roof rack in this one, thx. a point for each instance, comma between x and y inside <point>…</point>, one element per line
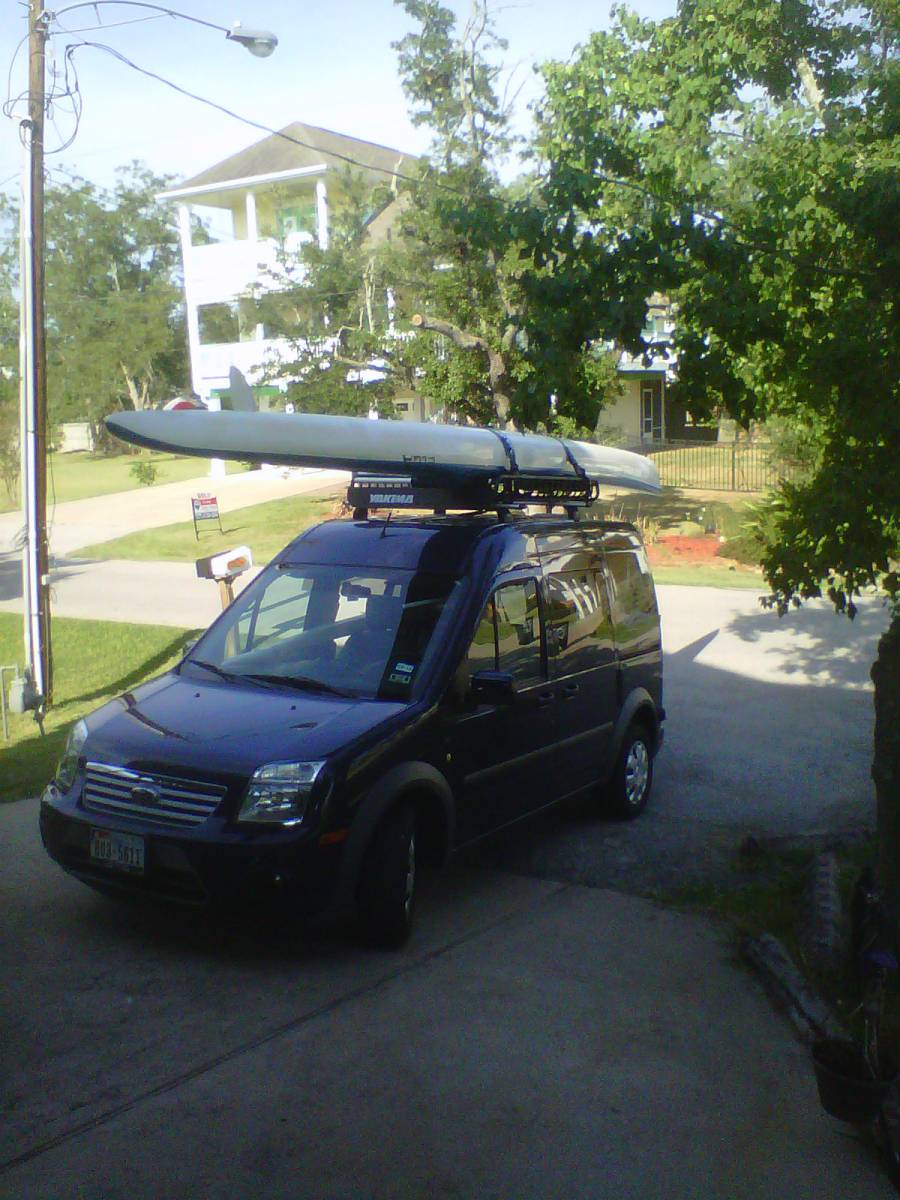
<point>501,494</point>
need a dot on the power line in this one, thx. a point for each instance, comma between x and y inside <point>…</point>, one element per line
<point>228,112</point>
<point>111,24</point>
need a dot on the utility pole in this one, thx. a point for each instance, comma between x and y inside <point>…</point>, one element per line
<point>35,556</point>
<point>35,692</point>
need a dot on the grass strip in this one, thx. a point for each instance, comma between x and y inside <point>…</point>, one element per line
<point>265,528</point>
<point>703,575</point>
<point>93,661</point>
<point>681,511</point>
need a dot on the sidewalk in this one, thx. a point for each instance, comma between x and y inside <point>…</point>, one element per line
<point>163,593</point>
<point>79,523</point>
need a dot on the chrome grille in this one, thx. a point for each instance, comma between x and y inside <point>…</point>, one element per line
<point>159,799</point>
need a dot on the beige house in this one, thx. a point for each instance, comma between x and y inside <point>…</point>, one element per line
<point>643,412</point>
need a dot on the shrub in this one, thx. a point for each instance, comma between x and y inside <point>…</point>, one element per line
<point>144,473</point>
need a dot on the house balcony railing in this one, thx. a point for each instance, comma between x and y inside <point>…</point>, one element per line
<point>224,270</point>
<point>215,361</point>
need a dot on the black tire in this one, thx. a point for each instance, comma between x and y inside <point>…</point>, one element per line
<point>887,1131</point>
<point>628,790</point>
<point>387,884</point>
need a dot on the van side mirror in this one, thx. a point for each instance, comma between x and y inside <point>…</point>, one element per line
<point>492,687</point>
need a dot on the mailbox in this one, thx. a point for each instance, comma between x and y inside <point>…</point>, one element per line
<point>224,568</point>
<point>227,565</point>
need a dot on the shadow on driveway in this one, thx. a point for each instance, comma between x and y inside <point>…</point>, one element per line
<point>825,647</point>
<point>11,574</point>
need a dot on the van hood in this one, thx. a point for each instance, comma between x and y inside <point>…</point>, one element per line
<point>232,727</point>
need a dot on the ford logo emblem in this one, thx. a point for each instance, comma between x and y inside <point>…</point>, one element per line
<point>146,796</point>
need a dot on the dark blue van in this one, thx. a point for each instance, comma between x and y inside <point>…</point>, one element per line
<point>384,692</point>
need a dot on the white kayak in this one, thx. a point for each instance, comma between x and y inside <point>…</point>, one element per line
<point>434,455</point>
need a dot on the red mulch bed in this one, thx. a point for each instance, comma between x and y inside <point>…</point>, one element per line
<point>668,551</point>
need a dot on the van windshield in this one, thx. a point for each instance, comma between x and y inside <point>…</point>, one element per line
<point>359,631</point>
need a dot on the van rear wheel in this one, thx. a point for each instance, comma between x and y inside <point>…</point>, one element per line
<point>628,791</point>
<point>387,885</point>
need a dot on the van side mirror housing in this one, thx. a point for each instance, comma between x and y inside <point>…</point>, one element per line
<point>492,687</point>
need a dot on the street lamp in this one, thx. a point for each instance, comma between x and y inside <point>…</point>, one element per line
<point>37,691</point>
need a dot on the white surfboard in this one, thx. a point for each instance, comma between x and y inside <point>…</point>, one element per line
<point>434,455</point>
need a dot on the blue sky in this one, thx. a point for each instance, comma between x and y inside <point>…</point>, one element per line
<point>334,67</point>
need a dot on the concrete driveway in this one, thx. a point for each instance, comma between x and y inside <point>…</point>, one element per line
<point>538,1038</point>
<point>535,1040</point>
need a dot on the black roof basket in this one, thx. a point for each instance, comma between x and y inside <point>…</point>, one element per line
<point>504,492</point>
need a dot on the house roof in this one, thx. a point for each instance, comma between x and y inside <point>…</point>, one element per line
<point>295,147</point>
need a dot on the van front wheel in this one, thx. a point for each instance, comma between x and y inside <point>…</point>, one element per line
<point>629,789</point>
<point>387,885</point>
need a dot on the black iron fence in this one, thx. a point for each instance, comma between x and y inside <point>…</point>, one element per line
<point>716,466</point>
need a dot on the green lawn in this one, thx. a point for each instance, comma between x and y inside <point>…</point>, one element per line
<point>265,528</point>
<point>93,661</point>
<point>703,575</point>
<point>80,475</point>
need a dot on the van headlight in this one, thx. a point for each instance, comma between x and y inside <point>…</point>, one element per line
<point>68,764</point>
<point>279,792</point>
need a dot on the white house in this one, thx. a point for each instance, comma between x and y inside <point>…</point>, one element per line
<point>276,193</point>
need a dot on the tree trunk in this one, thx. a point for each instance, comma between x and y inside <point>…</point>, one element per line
<point>886,765</point>
<point>132,389</point>
<point>498,377</point>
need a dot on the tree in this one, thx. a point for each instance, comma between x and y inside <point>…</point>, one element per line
<point>330,305</point>
<point>115,327</point>
<point>746,151</point>
<point>469,278</point>
<point>473,318</point>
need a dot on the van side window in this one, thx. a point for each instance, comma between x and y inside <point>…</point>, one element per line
<point>508,637</point>
<point>579,621</point>
<point>519,631</point>
<point>633,601</point>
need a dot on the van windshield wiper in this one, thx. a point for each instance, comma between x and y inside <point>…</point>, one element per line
<point>199,662</point>
<point>303,682</point>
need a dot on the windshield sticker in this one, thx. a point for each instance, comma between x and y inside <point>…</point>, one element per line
<point>394,677</point>
<point>404,668</point>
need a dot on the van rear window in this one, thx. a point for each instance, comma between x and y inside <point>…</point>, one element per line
<point>633,601</point>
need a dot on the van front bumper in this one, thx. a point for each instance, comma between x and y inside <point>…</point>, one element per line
<point>216,863</point>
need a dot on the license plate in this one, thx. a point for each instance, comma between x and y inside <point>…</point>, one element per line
<point>123,851</point>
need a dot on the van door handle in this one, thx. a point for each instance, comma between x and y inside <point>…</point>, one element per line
<point>570,690</point>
